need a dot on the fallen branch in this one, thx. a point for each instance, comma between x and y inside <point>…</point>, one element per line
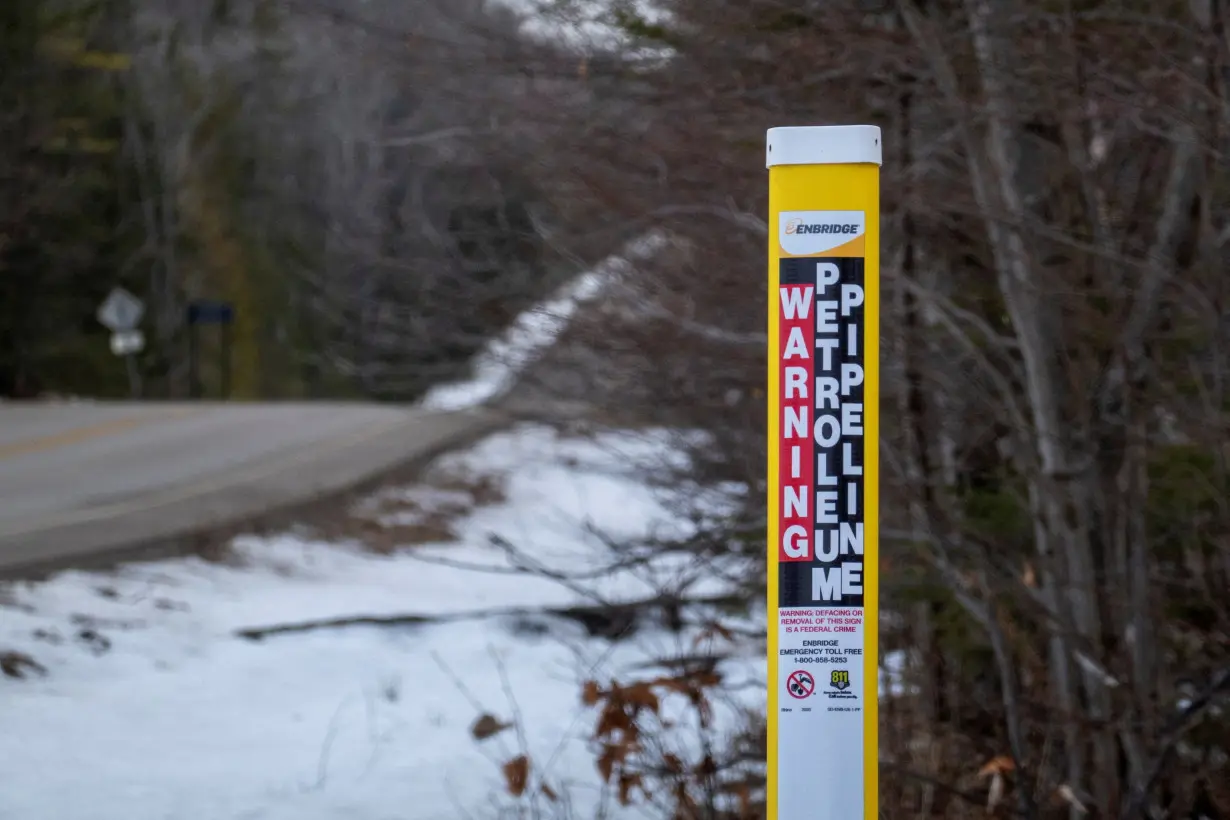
<point>608,620</point>
<point>19,665</point>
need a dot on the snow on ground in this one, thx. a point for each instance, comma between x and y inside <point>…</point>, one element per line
<point>496,367</point>
<point>152,708</point>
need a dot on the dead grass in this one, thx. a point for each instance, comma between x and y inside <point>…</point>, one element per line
<point>385,540</point>
<point>423,513</point>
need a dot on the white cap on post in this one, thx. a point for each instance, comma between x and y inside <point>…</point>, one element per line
<point>823,145</point>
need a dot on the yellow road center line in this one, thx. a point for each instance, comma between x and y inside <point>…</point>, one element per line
<point>227,478</point>
<point>79,434</point>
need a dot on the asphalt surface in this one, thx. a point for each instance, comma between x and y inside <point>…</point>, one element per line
<point>82,481</point>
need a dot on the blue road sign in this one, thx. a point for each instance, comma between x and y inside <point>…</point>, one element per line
<point>208,312</point>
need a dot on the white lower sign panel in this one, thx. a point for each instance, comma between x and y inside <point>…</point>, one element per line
<point>820,729</point>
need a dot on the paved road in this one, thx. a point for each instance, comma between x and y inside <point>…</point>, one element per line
<point>90,480</point>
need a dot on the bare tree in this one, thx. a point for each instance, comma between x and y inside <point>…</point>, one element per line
<point>1053,244</point>
<point>352,177</point>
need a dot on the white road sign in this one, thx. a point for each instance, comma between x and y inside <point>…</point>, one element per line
<point>127,342</point>
<point>120,311</point>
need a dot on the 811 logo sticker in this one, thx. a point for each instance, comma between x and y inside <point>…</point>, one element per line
<point>839,686</point>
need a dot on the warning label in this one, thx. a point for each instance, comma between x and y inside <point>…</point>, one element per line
<point>821,667</point>
<point>834,658</point>
<point>821,458</point>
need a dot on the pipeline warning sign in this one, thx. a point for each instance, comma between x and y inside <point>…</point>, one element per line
<point>822,457</point>
<point>823,471</point>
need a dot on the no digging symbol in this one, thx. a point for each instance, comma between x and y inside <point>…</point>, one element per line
<point>800,684</point>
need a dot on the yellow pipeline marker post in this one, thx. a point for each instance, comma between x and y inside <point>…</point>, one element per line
<point>823,478</point>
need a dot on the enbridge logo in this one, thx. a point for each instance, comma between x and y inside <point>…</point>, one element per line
<point>806,233</point>
<point>798,226</point>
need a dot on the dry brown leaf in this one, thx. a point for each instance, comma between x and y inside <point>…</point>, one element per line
<point>517,775</point>
<point>613,754</point>
<point>673,764</point>
<point>549,793</point>
<point>488,726</point>
<point>672,684</point>
<point>997,765</point>
<point>640,696</point>
<point>612,719</point>
<point>606,762</point>
<point>591,693</point>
